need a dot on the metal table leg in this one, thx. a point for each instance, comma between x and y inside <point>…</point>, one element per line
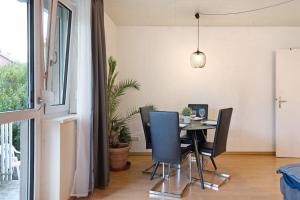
<point>199,164</point>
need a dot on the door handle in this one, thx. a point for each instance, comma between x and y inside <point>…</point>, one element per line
<point>280,101</point>
<point>53,62</point>
<point>40,100</point>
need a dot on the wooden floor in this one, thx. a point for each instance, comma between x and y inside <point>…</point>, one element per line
<point>252,177</point>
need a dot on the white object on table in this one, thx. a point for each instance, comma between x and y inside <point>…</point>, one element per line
<point>197,118</point>
<point>210,122</point>
<point>182,125</point>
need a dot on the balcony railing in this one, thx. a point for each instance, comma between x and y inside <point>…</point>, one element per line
<point>8,159</point>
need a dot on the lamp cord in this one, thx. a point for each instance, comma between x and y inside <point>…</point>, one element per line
<point>198,36</point>
<point>251,10</point>
<point>241,12</point>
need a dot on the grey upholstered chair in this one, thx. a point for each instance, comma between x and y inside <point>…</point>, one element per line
<point>218,146</point>
<point>165,136</point>
<point>144,112</point>
<point>196,107</point>
<point>166,149</point>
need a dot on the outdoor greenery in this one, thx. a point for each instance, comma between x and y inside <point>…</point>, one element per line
<point>13,93</point>
<point>118,129</point>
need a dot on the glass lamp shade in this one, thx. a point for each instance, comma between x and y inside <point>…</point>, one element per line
<point>198,59</point>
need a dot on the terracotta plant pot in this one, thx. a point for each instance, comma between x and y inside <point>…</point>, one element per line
<point>119,157</point>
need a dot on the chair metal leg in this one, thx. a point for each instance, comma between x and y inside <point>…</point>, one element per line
<point>154,170</point>
<point>169,169</point>
<point>190,168</point>
<point>222,177</point>
<point>148,169</point>
<point>171,185</point>
<point>213,162</point>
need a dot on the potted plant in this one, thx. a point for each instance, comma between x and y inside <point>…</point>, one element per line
<point>186,113</point>
<point>119,133</point>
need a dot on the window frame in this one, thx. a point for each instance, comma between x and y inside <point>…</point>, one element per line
<point>32,80</point>
<point>59,109</point>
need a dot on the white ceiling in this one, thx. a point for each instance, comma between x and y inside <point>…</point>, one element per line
<point>181,12</point>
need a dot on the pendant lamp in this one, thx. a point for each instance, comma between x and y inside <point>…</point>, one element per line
<point>198,58</point>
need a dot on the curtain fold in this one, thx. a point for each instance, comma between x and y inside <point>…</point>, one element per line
<point>100,102</point>
<point>81,183</point>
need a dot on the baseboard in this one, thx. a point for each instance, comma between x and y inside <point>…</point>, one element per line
<point>140,153</point>
<point>262,153</point>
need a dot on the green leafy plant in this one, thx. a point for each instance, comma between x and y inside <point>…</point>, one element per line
<point>186,111</point>
<point>13,93</point>
<point>13,87</point>
<point>118,130</point>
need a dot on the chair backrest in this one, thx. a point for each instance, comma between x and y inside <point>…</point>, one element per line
<point>199,106</point>
<point>165,136</point>
<point>221,134</point>
<point>144,111</point>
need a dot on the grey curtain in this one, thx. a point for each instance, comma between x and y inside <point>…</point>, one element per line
<point>100,104</point>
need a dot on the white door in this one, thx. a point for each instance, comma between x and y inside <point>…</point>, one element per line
<point>287,103</point>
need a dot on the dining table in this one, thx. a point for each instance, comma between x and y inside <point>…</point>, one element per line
<point>195,128</point>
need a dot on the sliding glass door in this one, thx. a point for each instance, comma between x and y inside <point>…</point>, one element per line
<point>19,89</point>
<point>34,67</point>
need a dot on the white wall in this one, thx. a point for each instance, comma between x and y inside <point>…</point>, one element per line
<point>58,158</point>
<point>239,73</point>
<point>110,36</point>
